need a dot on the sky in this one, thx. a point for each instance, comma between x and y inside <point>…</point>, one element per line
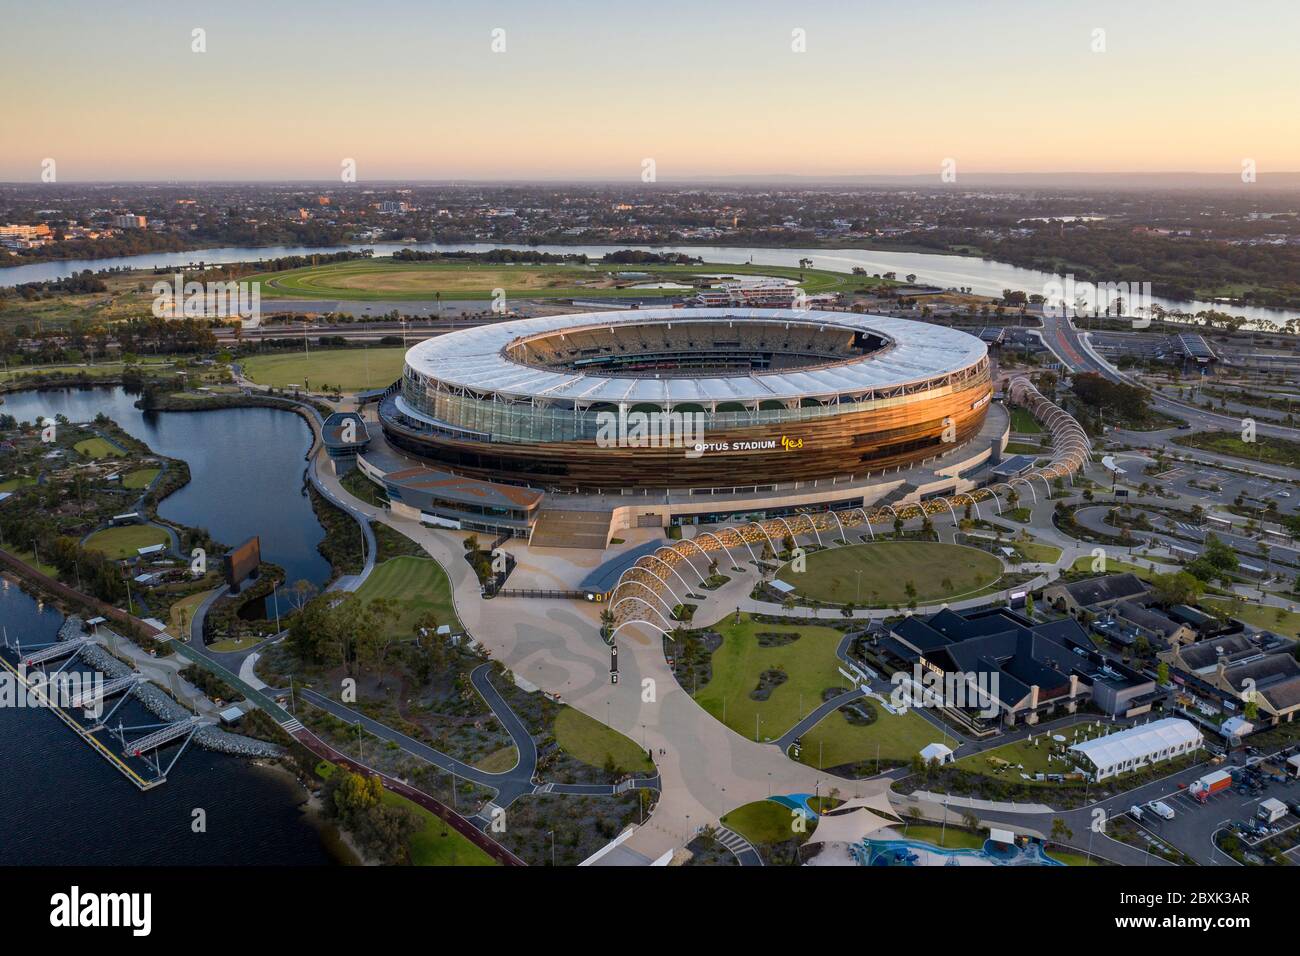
<point>707,88</point>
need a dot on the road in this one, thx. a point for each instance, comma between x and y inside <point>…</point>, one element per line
<point>1070,346</point>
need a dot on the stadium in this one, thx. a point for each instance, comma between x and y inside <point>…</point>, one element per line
<point>688,400</point>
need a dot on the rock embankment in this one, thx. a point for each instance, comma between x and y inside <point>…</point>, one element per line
<point>162,705</point>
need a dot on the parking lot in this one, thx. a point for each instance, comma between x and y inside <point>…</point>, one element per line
<point>1197,481</point>
<point>1195,824</point>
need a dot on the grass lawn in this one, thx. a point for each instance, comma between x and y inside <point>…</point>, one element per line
<point>1020,752</point>
<point>352,370</point>
<point>938,572</point>
<point>94,371</point>
<point>29,559</point>
<point>766,822</point>
<point>435,845</point>
<point>1022,421</point>
<point>1260,615</point>
<point>1072,859</point>
<point>592,742</point>
<point>417,585</point>
<point>809,663</point>
<point>1084,565</point>
<point>140,478</point>
<point>1033,551</point>
<point>499,761</point>
<point>387,279</point>
<point>949,838</point>
<point>1022,448</point>
<point>125,541</point>
<point>362,488</point>
<point>835,742</point>
<point>13,484</point>
<point>1275,451</point>
<point>182,613</point>
<point>97,448</point>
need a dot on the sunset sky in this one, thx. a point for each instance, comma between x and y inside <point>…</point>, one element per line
<point>412,90</point>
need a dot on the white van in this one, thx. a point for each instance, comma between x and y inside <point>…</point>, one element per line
<point>1161,809</point>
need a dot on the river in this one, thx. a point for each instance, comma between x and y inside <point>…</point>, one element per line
<point>982,276</point>
<point>63,805</point>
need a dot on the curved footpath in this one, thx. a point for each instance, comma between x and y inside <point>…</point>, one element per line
<point>509,785</point>
<point>705,769</point>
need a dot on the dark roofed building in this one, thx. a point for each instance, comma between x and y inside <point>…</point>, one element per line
<point>1232,670</point>
<point>1013,467</point>
<point>1094,594</point>
<point>1204,656</point>
<point>454,501</point>
<point>1029,670</point>
<point>344,435</point>
<point>1128,620</point>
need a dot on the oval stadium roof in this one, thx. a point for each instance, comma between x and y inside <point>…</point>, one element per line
<point>475,359</point>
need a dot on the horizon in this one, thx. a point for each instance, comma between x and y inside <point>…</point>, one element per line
<point>431,92</point>
<point>1285,180</point>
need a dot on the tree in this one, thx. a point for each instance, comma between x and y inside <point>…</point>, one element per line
<point>1180,587</point>
<point>378,635</point>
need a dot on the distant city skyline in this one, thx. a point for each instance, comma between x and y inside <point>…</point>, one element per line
<point>415,91</point>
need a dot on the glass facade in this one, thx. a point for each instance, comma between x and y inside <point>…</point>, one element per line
<point>493,418</point>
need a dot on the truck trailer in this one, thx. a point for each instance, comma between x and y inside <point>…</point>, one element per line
<point>1210,784</point>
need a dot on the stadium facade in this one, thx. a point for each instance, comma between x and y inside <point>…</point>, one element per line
<point>688,400</point>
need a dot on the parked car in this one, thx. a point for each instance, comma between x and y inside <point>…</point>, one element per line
<point>1161,809</point>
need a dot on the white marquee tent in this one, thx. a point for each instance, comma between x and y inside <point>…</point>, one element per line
<point>1136,747</point>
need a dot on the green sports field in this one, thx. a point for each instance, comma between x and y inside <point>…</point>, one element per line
<point>937,571</point>
<point>352,370</point>
<point>386,280</point>
<point>97,448</point>
<point>418,585</point>
<point>125,541</point>
<point>139,478</point>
